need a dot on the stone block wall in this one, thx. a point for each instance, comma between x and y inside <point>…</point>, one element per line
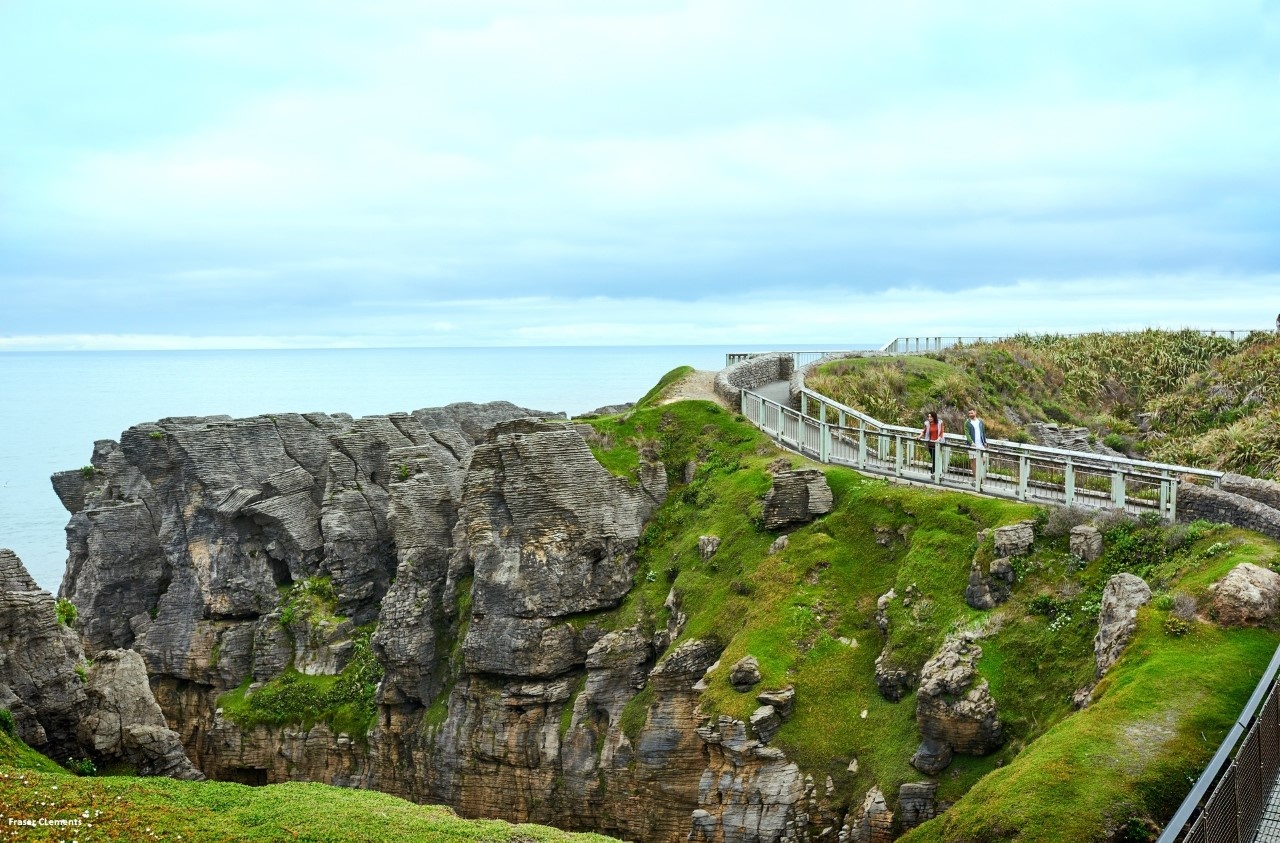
<point>751,374</point>
<point>1221,506</point>
<point>1262,491</point>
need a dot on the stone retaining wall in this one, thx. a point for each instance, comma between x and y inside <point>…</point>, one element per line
<point>752,374</point>
<point>1219,506</point>
<point>1262,491</point>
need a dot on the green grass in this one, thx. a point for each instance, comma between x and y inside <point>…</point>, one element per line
<point>112,809</point>
<point>16,755</point>
<point>660,388</point>
<point>1158,718</point>
<point>344,701</point>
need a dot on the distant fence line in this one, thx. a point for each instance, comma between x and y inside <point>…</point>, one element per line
<point>921,345</point>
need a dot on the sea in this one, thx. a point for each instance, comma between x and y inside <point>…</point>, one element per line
<point>54,405</point>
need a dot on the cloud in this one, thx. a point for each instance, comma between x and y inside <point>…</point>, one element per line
<point>760,319</point>
<point>223,168</point>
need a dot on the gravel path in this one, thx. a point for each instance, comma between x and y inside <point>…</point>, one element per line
<point>698,385</point>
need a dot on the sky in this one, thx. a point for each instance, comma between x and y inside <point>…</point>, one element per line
<point>314,173</point>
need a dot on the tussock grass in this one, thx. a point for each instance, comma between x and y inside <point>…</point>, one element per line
<point>1170,396</point>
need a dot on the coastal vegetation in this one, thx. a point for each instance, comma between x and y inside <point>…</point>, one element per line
<point>809,604</point>
<point>111,808</point>
<point>1169,396</point>
<point>807,613</point>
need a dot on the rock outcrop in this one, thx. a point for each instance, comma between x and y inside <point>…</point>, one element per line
<point>1015,539</point>
<point>1123,595</point>
<point>474,539</point>
<point>1086,542</point>
<point>70,708</point>
<point>954,707</point>
<point>38,661</point>
<point>798,496</point>
<point>1247,596</point>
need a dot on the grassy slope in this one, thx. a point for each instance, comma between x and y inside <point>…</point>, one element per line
<point>119,808</point>
<point>808,614</point>
<point>791,611</point>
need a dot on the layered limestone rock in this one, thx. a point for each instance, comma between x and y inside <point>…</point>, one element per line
<point>954,707</point>
<point>1123,595</point>
<point>797,497</point>
<point>1247,596</point>
<point>67,707</point>
<point>231,552</point>
<point>38,661</point>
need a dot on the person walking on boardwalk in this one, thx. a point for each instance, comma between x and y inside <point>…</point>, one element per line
<point>932,435</point>
<point>975,433</point>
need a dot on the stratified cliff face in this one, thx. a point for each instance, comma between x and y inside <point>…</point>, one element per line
<point>67,707</point>
<point>480,540</point>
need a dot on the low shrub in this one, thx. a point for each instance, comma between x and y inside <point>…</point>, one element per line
<point>66,611</point>
<point>7,725</point>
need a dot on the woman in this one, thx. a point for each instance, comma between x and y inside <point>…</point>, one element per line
<point>932,434</point>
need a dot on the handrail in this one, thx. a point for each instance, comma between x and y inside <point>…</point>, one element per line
<point>1250,720</point>
<point>1014,470</point>
<point>1085,456</point>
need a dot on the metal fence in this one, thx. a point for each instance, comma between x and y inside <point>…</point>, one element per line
<point>801,358</point>
<point>909,345</point>
<point>832,433</point>
<point>1228,802</point>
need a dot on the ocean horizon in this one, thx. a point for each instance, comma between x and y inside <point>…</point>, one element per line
<point>58,403</point>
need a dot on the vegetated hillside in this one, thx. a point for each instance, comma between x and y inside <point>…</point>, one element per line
<point>1169,396</point>
<point>112,808</point>
<point>807,610</point>
<point>808,614</point>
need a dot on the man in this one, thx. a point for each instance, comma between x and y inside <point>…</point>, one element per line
<point>975,433</point>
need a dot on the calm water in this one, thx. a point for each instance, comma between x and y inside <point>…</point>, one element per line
<point>54,405</point>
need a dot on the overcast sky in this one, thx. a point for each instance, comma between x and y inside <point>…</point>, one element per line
<point>182,173</point>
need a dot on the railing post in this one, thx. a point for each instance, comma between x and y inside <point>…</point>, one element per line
<point>824,441</point>
<point>804,404</point>
<point>1173,499</point>
<point>862,444</point>
<point>1024,475</point>
<point>897,453</point>
<point>1117,489</point>
<point>1069,483</point>
<point>1164,495</point>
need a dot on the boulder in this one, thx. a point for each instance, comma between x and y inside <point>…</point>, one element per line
<point>797,497</point>
<point>707,546</point>
<point>978,594</point>
<point>1247,596</point>
<point>782,701</point>
<point>124,722</point>
<point>1086,542</point>
<point>892,681</point>
<point>1015,539</point>
<point>1121,598</point>
<point>745,674</point>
